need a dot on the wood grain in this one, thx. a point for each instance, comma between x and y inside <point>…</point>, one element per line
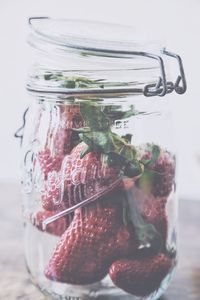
<point>15,283</point>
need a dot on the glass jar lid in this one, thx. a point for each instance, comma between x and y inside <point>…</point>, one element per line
<point>107,39</point>
<point>102,51</point>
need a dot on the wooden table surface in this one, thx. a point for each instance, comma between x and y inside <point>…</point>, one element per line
<point>14,280</point>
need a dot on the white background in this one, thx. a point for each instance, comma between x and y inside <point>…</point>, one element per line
<point>177,21</point>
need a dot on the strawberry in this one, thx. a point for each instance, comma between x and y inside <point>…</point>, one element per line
<point>152,210</point>
<point>48,163</point>
<point>51,192</point>
<point>65,137</point>
<point>140,277</point>
<point>79,178</point>
<point>62,141</point>
<point>95,164</point>
<point>56,228</point>
<point>159,172</point>
<point>96,237</point>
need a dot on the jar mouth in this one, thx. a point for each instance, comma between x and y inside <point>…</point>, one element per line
<point>92,37</point>
<point>87,82</point>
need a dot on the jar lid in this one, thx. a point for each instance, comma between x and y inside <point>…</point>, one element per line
<point>105,38</point>
<point>110,41</point>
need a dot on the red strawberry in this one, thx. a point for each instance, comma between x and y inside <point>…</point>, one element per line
<point>57,227</point>
<point>96,237</point>
<point>62,141</point>
<point>70,118</point>
<point>159,174</point>
<point>48,163</point>
<point>140,277</point>
<point>51,196</point>
<point>79,178</point>
<point>152,210</point>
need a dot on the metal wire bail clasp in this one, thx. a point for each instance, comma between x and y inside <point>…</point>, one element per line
<point>180,89</point>
<point>163,87</point>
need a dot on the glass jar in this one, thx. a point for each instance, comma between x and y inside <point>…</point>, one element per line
<point>98,162</point>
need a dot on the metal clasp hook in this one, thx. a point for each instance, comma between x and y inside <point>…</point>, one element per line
<point>162,87</point>
<point>180,89</point>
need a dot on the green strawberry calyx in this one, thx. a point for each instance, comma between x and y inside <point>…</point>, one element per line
<point>99,138</point>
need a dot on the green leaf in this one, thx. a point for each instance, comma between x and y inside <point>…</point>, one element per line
<point>81,130</point>
<point>78,82</point>
<point>94,117</point>
<point>48,76</point>
<point>68,83</point>
<point>128,152</point>
<point>155,153</point>
<point>133,169</point>
<point>118,152</point>
<point>115,112</point>
<point>99,141</point>
<point>124,149</point>
<point>127,137</point>
<point>72,82</point>
<point>54,76</point>
<point>114,159</point>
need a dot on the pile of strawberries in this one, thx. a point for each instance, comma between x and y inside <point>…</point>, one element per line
<point>123,233</point>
